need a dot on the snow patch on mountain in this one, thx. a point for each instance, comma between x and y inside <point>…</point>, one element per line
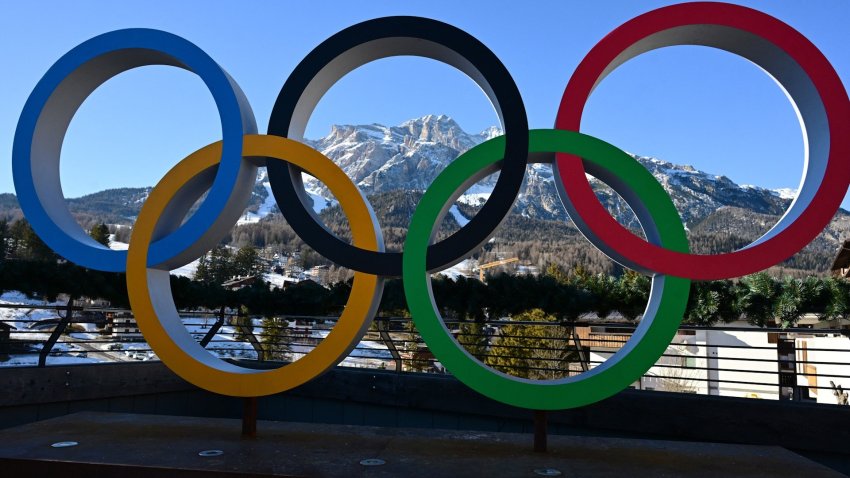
<point>320,202</point>
<point>475,199</point>
<point>459,217</point>
<point>785,193</point>
<point>267,206</point>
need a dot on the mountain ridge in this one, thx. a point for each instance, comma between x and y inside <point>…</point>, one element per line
<point>720,214</point>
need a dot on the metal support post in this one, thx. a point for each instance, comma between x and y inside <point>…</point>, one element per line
<point>540,431</point>
<point>249,417</point>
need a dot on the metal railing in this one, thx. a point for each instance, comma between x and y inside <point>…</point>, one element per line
<point>804,364</point>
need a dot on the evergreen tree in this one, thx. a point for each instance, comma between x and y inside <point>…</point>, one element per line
<point>473,337</point>
<point>712,301</point>
<point>557,272</point>
<point>416,349</point>
<point>4,236</point>
<point>632,294</point>
<point>393,302</point>
<point>246,262</point>
<point>275,339</point>
<point>798,297</point>
<point>202,273</point>
<point>100,233</point>
<point>243,325</point>
<point>786,304</point>
<point>221,265</point>
<point>838,306</point>
<point>815,296</point>
<point>215,267</point>
<point>306,298</point>
<point>28,244</point>
<point>532,351</point>
<point>603,290</point>
<point>15,243</point>
<point>756,296</point>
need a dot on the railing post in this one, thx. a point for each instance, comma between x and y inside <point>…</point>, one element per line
<point>214,329</point>
<point>57,332</point>
<point>384,332</point>
<point>248,333</point>
<point>583,357</point>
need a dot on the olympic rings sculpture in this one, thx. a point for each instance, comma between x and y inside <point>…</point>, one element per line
<point>226,170</point>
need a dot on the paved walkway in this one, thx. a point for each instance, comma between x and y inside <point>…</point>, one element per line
<point>130,445</point>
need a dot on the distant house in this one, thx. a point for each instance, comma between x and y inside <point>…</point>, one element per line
<point>124,326</point>
<point>239,282</point>
<point>319,274</point>
<point>841,264</point>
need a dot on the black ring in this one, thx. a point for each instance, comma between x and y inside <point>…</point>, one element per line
<point>381,38</point>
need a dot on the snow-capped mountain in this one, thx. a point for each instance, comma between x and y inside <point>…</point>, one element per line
<point>409,156</point>
<point>696,194</point>
<point>394,164</point>
<point>720,214</point>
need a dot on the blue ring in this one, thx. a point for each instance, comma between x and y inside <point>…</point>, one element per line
<point>236,120</point>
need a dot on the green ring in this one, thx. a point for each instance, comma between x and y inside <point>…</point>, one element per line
<point>640,353</point>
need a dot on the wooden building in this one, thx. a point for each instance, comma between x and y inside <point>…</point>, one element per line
<point>841,264</point>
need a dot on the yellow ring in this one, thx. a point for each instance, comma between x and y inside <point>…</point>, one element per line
<point>153,305</point>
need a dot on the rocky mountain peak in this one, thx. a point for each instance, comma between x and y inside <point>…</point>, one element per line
<point>437,129</point>
<point>408,156</point>
<point>491,133</point>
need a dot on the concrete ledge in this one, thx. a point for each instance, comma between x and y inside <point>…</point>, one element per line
<point>367,397</point>
<point>31,385</point>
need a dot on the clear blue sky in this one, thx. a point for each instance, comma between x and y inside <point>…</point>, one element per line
<point>687,105</point>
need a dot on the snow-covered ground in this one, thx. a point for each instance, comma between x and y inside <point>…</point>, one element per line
<point>89,346</point>
<point>367,353</point>
<point>116,245</point>
<point>188,270</point>
<point>22,318</point>
<point>223,344</point>
<point>24,322</point>
<point>462,268</point>
<point>269,203</point>
<point>32,360</point>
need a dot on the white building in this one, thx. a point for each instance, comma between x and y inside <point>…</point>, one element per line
<point>124,326</point>
<point>822,359</point>
<point>739,363</point>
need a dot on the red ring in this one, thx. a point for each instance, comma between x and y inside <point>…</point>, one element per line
<point>787,242</point>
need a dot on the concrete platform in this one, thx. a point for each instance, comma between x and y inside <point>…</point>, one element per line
<point>129,445</point>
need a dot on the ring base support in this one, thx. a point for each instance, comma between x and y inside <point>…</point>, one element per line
<point>249,417</point>
<point>540,432</point>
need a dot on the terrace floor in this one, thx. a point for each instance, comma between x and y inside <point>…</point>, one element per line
<point>130,445</point>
